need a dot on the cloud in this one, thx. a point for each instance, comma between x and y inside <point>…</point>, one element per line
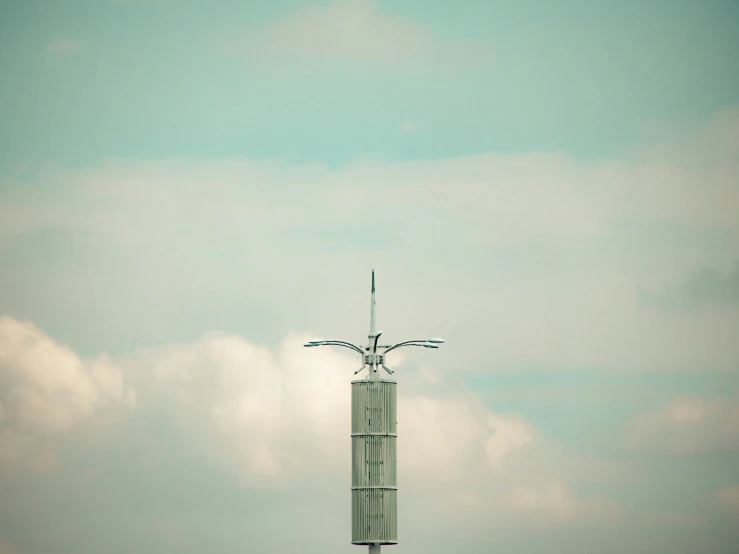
<point>280,418</point>
<point>62,46</point>
<point>349,32</point>
<point>509,435</point>
<point>546,253</point>
<point>687,424</point>
<point>283,411</point>
<point>276,410</point>
<point>708,286</point>
<point>46,390</point>
<point>551,499</point>
<point>456,437</point>
<point>226,429</point>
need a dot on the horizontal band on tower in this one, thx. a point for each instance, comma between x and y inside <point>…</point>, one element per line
<point>383,487</point>
<point>374,434</point>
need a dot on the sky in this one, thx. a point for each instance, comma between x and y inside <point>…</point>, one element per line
<point>190,190</point>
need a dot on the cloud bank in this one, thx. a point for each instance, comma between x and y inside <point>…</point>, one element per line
<point>548,254</point>
<point>176,424</point>
<point>46,390</point>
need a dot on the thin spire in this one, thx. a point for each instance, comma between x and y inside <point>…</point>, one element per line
<point>372,306</point>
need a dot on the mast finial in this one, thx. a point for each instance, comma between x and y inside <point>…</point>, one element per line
<point>372,307</point>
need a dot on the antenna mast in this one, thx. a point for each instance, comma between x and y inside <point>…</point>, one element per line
<point>374,436</point>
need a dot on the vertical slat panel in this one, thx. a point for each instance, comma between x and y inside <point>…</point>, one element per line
<point>374,451</point>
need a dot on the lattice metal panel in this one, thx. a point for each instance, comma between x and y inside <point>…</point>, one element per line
<point>374,462</point>
<point>375,516</point>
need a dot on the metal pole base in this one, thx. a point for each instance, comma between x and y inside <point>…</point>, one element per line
<point>374,548</point>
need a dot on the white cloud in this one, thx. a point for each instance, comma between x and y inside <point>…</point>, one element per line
<point>543,252</point>
<point>46,390</point>
<point>63,46</point>
<point>348,31</point>
<point>456,437</point>
<point>275,410</point>
<point>552,499</point>
<point>687,424</point>
<point>509,435</point>
<point>270,428</point>
<point>281,411</point>
<point>282,417</point>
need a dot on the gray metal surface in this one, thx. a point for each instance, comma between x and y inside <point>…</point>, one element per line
<point>374,462</point>
<point>373,407</point>
<point>374,437</point>
<point>375,517</point>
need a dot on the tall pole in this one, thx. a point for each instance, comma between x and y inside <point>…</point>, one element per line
<point>374,548</point>
<point>374,434</point>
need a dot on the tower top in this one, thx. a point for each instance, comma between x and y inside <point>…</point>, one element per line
<point>370,355</point>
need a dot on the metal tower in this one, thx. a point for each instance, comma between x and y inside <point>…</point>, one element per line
<point>374,436</point>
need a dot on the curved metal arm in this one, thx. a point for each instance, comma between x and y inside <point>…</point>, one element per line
<point>337,343</point>
<point>343,343</point>
<point>423,343</point>
<point>406,343</point>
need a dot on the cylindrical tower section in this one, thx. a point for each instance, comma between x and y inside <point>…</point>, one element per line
<point>374,460</point>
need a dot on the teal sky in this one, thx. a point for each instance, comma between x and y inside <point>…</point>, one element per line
<point>590,78</point>
<point>190,190</point>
